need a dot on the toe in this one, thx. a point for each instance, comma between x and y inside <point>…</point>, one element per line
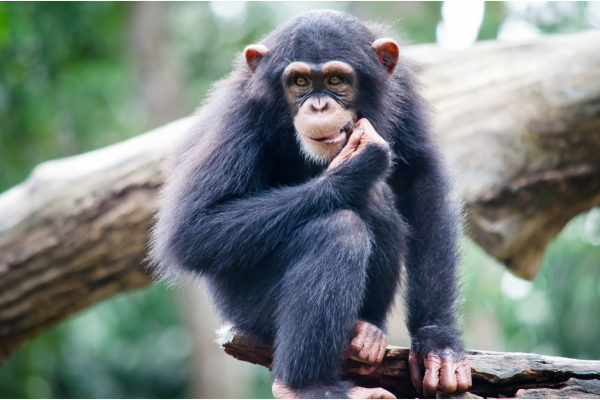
<point>448,376</point>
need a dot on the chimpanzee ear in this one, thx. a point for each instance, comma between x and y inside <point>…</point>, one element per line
<point>254,53</point>
<point>388,52</point>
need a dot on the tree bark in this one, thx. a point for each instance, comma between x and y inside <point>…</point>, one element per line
<point>76,232</point>
<point>521,123</point>
<point>495,375</point>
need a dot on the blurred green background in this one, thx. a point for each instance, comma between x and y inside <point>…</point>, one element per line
<point>79,76</point>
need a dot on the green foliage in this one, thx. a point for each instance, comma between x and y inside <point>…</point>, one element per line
<point>65,82</point>
<point>414,21</point>
<point>131,346</point>
<point>556,315</point>
<point>492,18</point>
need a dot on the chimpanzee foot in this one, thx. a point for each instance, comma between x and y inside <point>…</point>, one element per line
<point>368,393</point>
<point>281,391</point>
<point>441,373</point>
<point>368,346</point>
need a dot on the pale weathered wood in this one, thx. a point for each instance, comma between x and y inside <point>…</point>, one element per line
<point>520,375</point>
<point>75,232</point>
<point>521,123</point>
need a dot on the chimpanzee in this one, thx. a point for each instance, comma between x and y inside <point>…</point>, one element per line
<point>309,178</point>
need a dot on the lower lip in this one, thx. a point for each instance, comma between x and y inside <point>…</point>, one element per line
<point>335,139</point>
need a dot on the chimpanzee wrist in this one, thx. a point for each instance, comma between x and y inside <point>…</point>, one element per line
<point>378,322</point>
<point>442,341</point>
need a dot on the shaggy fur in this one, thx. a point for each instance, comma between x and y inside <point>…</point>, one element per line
<point>294,254</point>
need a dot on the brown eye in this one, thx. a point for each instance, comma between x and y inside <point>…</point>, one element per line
<point>301,81</point>
<point>335,80</point>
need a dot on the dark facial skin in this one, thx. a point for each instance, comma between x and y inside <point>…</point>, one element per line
<point>334,78</point>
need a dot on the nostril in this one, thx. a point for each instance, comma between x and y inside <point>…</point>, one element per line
<point>319,105</point>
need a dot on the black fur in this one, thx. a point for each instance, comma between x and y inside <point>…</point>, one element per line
<point>294,254</point>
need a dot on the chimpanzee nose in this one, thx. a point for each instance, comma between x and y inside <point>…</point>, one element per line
<point>318,104</point>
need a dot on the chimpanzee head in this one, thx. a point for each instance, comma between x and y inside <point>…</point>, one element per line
<point>328,65</point>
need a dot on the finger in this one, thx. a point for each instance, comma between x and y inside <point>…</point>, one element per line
<point>364,141</point>
<point>281,391</point>
<point>370,132</point>
<point>375,348</point>
<point>462,384</point>
<point>370,338</point>
<point>468,371</point>
<point>364,393</point>
<point>415,372</point>
<point>365,124</point>
<point>370,135</point>
<point>352,143</point>
<point>366,127</point>
<point>370,361</point>
<point>431,379</point>
<point>356,345</point>
<point>355,143</point>
<point>381,352</point>
<point>355,138</point>
<point>448,376</point>
<point>366,369</point>
<point>379,393</point>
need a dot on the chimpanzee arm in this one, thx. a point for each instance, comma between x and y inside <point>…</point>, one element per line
<point>432,263</point>
<point>216,235</point>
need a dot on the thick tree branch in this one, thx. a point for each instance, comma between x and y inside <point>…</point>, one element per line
<point>513,375</point>
<point>75,232</point>
<point>521,123</point>
<point>522,126</point>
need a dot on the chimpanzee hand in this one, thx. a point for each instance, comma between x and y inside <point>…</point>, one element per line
<point>369,135</point>
<point>442,372</point>
<point>368,346</point>
<point>363,134</point>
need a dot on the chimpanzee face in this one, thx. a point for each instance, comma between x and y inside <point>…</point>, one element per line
<point>321,99</point>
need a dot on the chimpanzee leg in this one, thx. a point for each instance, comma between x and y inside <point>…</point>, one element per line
<point>389,233</point>
<point>320,298</point>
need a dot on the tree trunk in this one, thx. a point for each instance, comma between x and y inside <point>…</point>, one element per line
<point>213,372</point>
<point>521,123</point>
<point>495,375</point>
<point>158,72</point>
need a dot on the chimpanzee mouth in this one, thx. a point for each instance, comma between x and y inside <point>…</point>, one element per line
<point>343,134</point>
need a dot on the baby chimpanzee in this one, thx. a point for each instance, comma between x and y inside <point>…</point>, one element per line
<point>309,178</point>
